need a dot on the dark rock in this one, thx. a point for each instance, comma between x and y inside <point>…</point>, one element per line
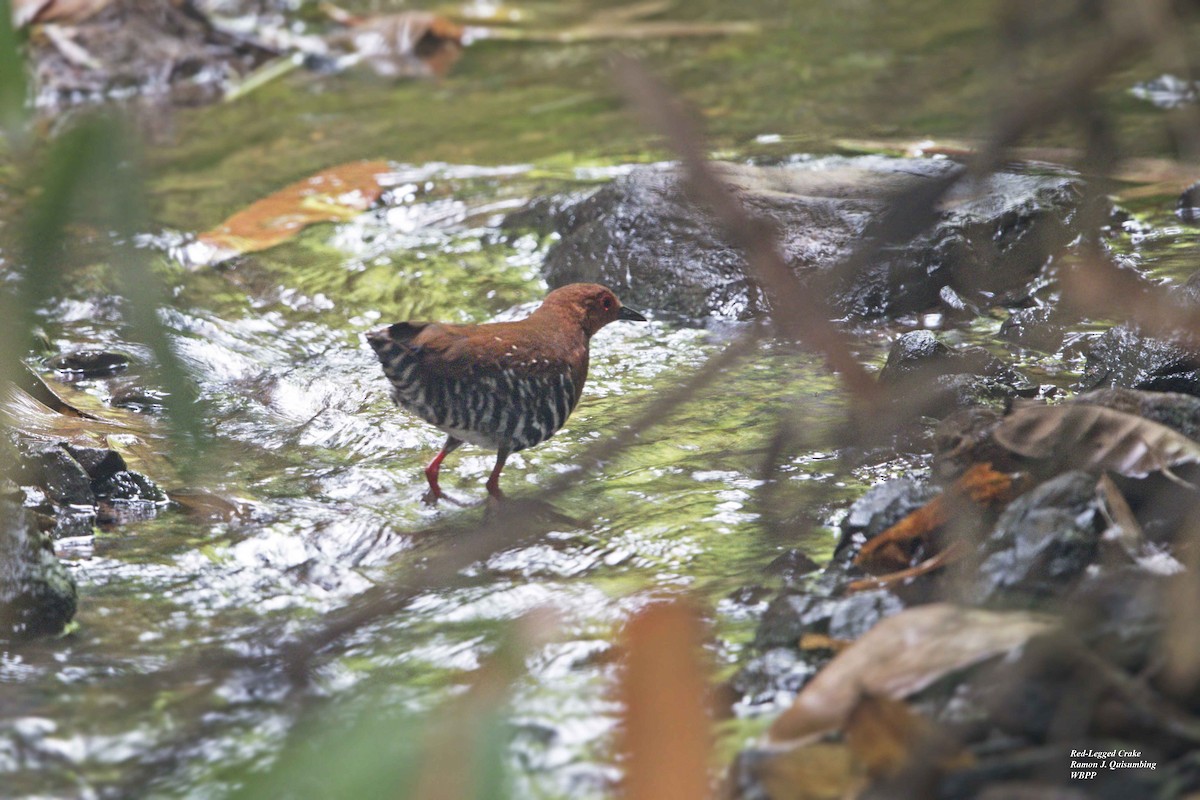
<point>947,393</point>
<point>129,486</point>
<point>774,677</point>
<point>37,593</point>
<point>881,507</point>
<point>791,615</point>
<point>88,363</point>
<point>1124,357</point>
<point>1042,543</point>
<point>145,401</point>
<point>965,438</point>
<point>99,463</point>
<point>64,480</point>
<point>913,352</point>
<point>1180,412</point>
<point>749,596</point>
<point>1188,207</point>
<point>643,237</point>
<point>792,565</point>
<point>1038,328</point>
<point>918,355</point>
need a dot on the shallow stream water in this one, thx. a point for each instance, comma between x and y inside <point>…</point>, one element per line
<point>329,472</point>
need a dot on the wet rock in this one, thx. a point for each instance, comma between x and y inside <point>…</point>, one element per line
<point>88,363</point>
<point>964,439</point>
<point>913,353</point>
<point>917,357</point>
<point>64,480</point>
<point>37,593</point>
<point>1042,543</point>
<point>1038,328</point>
<point>99,463</point>
<point>129,486</point>
<point>881,507</point>
<point>145,401</point>
<point>643,237</point>
<point>791,615</point>
<point>792,565</point>
<point>774,678</point>
<point>1124,357</point>
<point>1188,206</point>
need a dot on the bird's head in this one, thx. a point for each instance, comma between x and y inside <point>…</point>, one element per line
<point>591,305</point>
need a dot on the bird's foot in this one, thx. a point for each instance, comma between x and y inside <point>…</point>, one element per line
<point>432,496</point>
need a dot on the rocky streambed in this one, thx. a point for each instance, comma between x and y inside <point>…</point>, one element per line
<point>1038,599</point>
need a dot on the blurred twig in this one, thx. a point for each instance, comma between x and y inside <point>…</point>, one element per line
<point>799,313</point>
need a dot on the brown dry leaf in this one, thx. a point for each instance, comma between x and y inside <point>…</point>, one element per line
<point>949,555</point>
<point>885,735</point>
<point>1123,526</point>
<point>902,655</point>
<point>410,44</point>
<point>334,194</point>
<point>823,771</point>
<point>1095,438</point>
<point>893,549</point>
<point>821,641</point>
<point>665,735</point>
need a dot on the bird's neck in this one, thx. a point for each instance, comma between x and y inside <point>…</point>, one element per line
<point>565,319</point>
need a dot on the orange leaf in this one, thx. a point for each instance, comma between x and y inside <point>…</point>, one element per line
<point>821,641</point>
<point>822,771</point>
<point>892,549</point>
<point>952,553</point>
<point>885,736</point>
<point>665,733</point>
<point>337,193</point>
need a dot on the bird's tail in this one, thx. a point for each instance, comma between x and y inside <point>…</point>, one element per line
<point>396,352</point>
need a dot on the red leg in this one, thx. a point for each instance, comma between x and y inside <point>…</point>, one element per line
<point>431,472</point>
<point>493,481</point>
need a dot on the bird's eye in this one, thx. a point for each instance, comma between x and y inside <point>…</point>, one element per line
<point>608,304</point>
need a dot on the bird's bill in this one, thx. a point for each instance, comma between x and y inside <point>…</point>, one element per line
<point>629,314</point>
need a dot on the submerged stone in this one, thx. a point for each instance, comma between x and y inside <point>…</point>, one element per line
<point>87,363</point>
<point>646,239</point>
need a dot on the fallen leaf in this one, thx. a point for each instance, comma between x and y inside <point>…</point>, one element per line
<point>821,641</point>
<point>949,555</point>
<point>886,736</point>
<point>665,734</point>
<point>1123,528</point>
<point>822,771</point>
<point>902,655</point>
<point>893,549</point>
<point>408,44</point>
<point>1090,437</point>
<point>334,194</point>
